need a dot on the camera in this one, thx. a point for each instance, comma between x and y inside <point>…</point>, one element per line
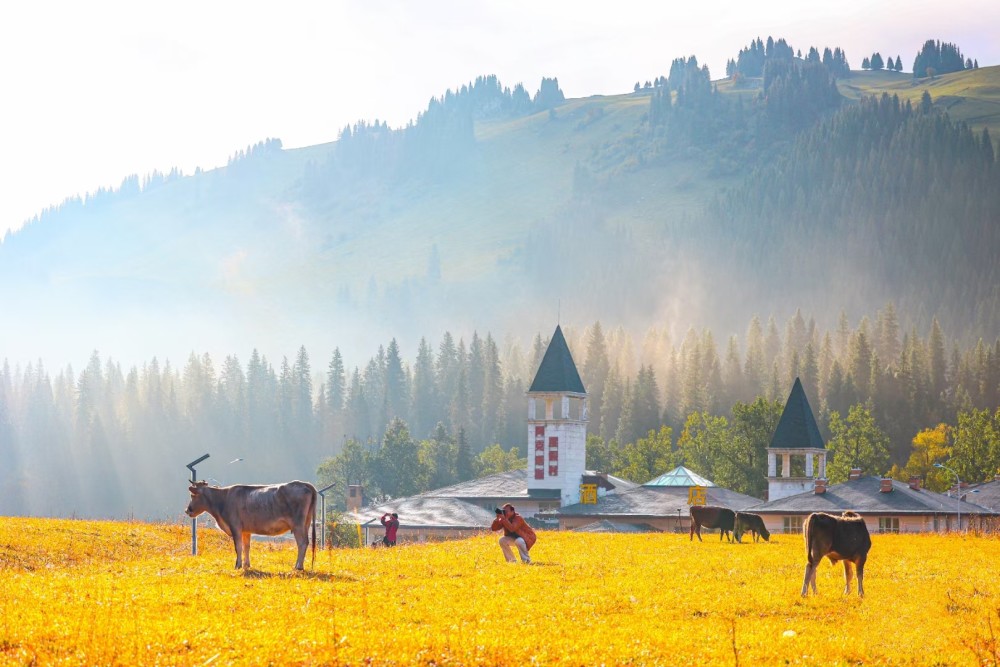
<point>497,510</point>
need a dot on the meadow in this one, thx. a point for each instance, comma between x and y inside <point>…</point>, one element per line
<point>106,593</point>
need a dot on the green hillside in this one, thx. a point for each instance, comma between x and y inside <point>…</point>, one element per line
<point>972,96</point>
<point>484,215</point>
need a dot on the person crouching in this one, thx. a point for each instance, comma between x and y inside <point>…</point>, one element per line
<point>516,532</point>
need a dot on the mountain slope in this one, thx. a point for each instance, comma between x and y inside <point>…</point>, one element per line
<point>490,224</point>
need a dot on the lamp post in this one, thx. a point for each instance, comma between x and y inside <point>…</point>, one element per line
<point>958,490</point>
<point>194,521</point>
<point>322,499</point>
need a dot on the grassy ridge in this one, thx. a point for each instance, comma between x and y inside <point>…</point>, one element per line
<point>114,593</point>
<point>972,95</point>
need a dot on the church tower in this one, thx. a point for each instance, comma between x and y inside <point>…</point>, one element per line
<point>796,437</point>
<point>557,427</point>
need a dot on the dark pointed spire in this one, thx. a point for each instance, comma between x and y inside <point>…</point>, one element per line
<point>557,372</point>
<point>797,427</point>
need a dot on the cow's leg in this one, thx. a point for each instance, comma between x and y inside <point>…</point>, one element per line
<point>246,550</point>
<point>696,530</point>
<point>301,534</point>
<point>805,580</point>
<point>848,575</point>
<point>861,575</point>
<point>238,545</point>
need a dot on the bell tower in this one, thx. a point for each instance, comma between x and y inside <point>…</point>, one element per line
<point>796,437</point>
<point>557,426</point>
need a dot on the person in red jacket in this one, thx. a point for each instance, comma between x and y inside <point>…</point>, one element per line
<point>516,532</point>
<point>391,523</point>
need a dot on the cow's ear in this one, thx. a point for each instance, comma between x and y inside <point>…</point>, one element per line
<point>193,489</point>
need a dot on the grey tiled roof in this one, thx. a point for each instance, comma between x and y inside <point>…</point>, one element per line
<point>511,484</point>
<point>863,496</point>
<point>986,495</point>
<point>557,372</point>
<point>425,512</point>
<point>797,427</point>
<point>508,484</point>
<point>653,501</point>
<point>605,526</point>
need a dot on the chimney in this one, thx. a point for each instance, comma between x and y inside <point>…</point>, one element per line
<point>915,482</point>
<point>354,497</point>
<point>885,485</point>
<point>820,485</point>
<point>854,474</point>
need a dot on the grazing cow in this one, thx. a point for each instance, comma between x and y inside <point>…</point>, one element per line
<point>712,517</point>
<point>750,523</point>
<point>843,537</point>
<point>242,510</point>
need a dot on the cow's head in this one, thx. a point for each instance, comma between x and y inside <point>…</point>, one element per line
<point>199,503</point>
<point>764,533</point>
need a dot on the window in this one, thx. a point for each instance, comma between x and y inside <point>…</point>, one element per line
<point>791,524</point>
<point>539,452</point>
<point>548,505</point>
<point>888,524</point>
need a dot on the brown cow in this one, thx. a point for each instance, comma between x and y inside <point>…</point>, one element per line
<point>843,537</point>
<point>242,510</point>
<point>712,517</point>
<point>747,522</point>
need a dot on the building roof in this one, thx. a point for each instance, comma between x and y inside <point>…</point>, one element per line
<point>605,526</point>
<point>557,372</point>
<point>428,512</point>
<point>508,484</point>
<point>864,497</point>
<point>512,484</point>
<point>797,427</point>
<point>652,502</point>
<point>680,476</point>
<point>985,495</point>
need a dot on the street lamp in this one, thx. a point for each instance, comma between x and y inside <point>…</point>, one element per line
<point>194,521</point>
<point>322,496</point>
<point>958,490</point>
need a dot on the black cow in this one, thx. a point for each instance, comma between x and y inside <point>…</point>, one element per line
<point>750,523</point>
<point>712,517</point>
<point>843,537</point>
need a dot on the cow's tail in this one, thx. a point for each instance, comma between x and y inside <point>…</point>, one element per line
<point>806,526</point>
<point>312,520</point>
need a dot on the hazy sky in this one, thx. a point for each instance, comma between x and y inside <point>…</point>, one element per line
<point>95,91</point>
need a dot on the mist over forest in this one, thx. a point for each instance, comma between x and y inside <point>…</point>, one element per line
<point>318,308</point>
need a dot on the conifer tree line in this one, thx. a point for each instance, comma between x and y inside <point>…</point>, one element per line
<point>936,57</point>
<point>438,143</point>
<point>752,59</point>
<point>107,440</point>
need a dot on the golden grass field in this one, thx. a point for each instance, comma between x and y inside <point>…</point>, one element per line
<point>105,593</point>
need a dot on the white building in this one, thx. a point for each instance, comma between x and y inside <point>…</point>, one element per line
<point>557,427</point>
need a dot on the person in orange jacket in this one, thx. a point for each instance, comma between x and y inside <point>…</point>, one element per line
<point>516,532</point>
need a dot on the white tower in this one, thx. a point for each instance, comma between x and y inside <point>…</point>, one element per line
<point>796,435</point>
<point>557,427</point>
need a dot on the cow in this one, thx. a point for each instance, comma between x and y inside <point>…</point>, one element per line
<point>750,523</point>
<point>843,537</point>
<point>242,510</point>
<point>712,517</point>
